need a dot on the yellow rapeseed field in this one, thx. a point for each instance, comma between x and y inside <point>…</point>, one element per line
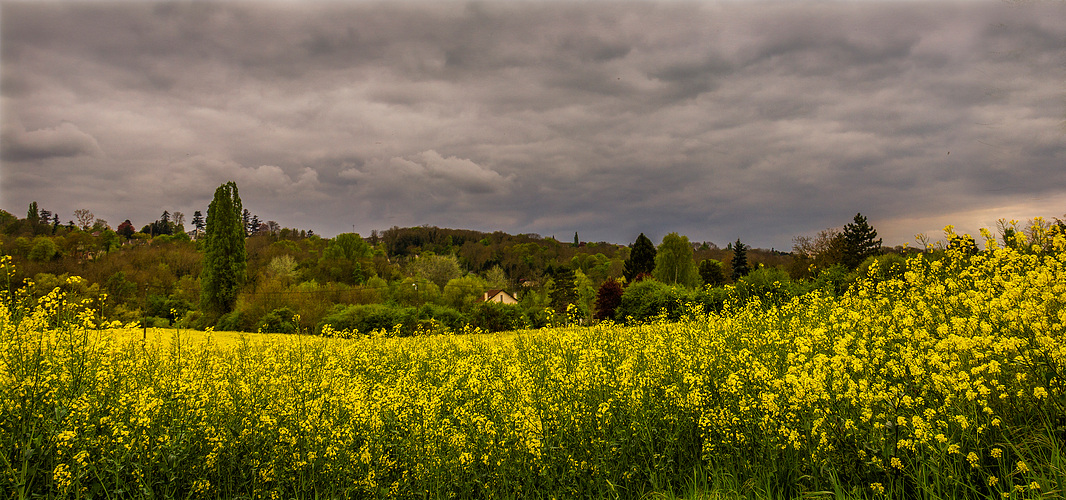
<point>944,383</point>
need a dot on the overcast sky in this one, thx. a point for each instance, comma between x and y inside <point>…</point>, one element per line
<point>718,120</point>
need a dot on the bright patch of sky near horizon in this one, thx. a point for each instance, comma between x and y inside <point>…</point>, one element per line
<point>718,120</point>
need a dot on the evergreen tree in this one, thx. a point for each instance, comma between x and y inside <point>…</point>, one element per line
<point>163,225</point>
<point>32,215</point>
<point>246,219</point>
<point>641,259</point>
<point>859,242</point>
<point>254,225</point>
<point>225,260</point>
<point>198,220</point>
<point>711,272</point>
<point>740,260</point>
<point>564,290</point>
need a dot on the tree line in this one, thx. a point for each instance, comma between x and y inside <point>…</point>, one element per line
<point>231,271</point>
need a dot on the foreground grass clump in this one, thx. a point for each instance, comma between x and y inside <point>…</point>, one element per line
<point>945,383</point>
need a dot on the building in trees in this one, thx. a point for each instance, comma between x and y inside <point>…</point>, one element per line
<point>225,260</point>
<point>641,259</point>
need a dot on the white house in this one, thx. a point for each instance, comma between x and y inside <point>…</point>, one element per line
<point>498,296</point>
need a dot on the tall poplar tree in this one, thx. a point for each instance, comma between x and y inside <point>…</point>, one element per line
<point>641,259</point>
<point>225,260</point>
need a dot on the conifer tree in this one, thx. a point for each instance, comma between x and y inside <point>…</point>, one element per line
<point>711,273</point>
<point>225,260</point>
<point>858,242</point>
<point>564,291</point>
<point>740,260</point>
<point>641,259</point>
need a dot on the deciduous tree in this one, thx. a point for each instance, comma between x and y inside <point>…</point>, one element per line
<point>225,259</point>
<point>85,219</point>
<point>673,261</point>
<point>126,229</point>
<point>608,297</point>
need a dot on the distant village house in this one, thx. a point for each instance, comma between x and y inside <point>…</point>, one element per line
<point>498,296</point>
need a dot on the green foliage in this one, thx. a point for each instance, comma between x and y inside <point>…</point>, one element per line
<point>644,300</point>
<point>740,260</point>
<point>673,261</point>
<point>859,242</point>
<point>496,279</point>
<point>236,321</point>
<point>278,321</point>
<point>768,284</point>
<point>32,214</point>
<point>836,279</point>
<point>641,259</point>
<point>497,317</point>
<point>225,260</point>
<point>348,246</point>
<point>462,293</point>
<point>370,318</point>
<point>415,292</point>
<point>711,273</point>
<point>563,290</point>
<point>438,269</point>
<point>883,267</point>
<point>168,308</point>
<point>44,249</point>
<point>451,319</point>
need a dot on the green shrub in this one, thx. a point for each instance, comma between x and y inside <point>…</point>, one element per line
<point>277,321</point>
<point>772,285</point>
<point>648,299</point>
<point>369,318</point>
<point>497,317</point>
<point>236,321</point>
<point>448,317</point>
<point>883,267</point>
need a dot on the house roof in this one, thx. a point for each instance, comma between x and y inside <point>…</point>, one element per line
<point>490,294</point>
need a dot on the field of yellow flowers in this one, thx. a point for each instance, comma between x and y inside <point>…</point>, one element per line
<point>944,383</point>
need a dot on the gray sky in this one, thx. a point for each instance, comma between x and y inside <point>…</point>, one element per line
<point>718,120</point>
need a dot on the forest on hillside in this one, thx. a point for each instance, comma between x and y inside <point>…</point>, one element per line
<point>427,279</point>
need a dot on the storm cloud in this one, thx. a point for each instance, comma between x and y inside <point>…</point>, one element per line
<point>718,120</point>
